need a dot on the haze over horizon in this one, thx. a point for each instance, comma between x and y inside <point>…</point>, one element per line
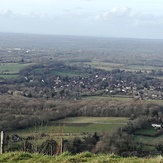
<point>105,18</point>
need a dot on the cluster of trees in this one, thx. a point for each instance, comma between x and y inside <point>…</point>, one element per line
<point>20,112</point>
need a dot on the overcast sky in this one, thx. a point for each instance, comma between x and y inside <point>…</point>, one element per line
<point>109,18</point>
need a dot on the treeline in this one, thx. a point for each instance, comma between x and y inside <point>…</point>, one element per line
<point>19,112</point>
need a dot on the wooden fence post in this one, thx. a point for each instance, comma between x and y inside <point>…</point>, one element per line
<point>1,143</point>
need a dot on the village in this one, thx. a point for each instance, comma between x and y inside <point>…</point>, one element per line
<point>58,80</point>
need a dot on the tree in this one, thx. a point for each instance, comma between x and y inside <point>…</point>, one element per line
<point>74,146</point>
<point>118,143</point>
<point>27,146</point>
<point>49,147</point>
<point>159,147</point>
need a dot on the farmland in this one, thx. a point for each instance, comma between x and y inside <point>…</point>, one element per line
<point>149,140</point>
<point>10,70</point>
<point>64,74</point>
<point>77,126</point>
<point>149,131</point>
<point>148,136</point>
<point>127,67</point>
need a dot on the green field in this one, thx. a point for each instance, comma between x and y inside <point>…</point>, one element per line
<point>127,67</point>
<point>121,98</point>
<point>64,74</point>
<point>77,126</point>
<point>104,65</point>
<point>148,140</point>
<point>95,120</point>
<point>149,131</point>
<point>10,70</point>
<point>140,67</point>
<point>8,76</point>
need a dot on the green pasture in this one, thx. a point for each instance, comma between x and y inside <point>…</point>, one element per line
<point>76,125</point>
<point>148,140</point>
<point>64,74</point>
<point>121,98</point>
<point>104,65</point>
<point>8,76</point>
<point>127,67</point>
<point>75,129</point>
<point>12,67</point>
<point>149,148</point>
<point>10,70</point>
<point>140,67</point>
<point>94,120</point>
<point>149,131</point>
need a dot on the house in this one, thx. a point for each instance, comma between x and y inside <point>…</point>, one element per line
<point>157,126</point>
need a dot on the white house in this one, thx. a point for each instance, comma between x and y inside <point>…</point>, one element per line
<point>157,126</point>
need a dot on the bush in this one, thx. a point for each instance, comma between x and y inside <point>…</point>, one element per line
<point>85,154</point>
<point>23,156</point>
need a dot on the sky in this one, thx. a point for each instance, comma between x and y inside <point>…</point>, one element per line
<point>99,18</point>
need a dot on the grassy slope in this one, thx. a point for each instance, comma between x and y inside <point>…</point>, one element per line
<point>20,157</point>
<point>77,125</point>
<point>150,131</point>
<point>149,140</point>
<point>12,67</point>
<point>95,120</point>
